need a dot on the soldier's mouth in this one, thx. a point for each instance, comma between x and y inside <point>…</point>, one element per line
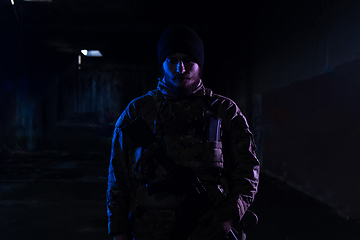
<point>181,78</point>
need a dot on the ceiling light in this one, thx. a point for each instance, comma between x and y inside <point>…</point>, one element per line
<point>91,53</point>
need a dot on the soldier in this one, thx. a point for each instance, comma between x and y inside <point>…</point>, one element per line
<point>195,128</point>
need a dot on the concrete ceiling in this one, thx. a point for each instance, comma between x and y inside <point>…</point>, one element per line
<point>128,25</point>
<point>119,26</point>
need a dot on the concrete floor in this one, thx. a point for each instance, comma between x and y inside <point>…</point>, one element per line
<point>61,196</point>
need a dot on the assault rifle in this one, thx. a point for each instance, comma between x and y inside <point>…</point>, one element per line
<point>181,180</point>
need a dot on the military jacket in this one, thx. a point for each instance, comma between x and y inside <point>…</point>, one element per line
<point>228,165</point>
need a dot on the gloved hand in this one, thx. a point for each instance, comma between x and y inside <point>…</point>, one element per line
<point>216,223</point>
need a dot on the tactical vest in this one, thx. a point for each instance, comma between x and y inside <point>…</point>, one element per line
<point>190,133</point>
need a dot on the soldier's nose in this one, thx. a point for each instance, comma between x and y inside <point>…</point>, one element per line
<point>180,67</point>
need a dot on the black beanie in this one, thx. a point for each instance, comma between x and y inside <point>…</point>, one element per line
<point>180,39</point>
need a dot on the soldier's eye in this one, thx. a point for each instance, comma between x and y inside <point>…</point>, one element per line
<point>172,60</point>
<point>188,60</point>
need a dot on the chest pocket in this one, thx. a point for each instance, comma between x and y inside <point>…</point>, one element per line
<point>195,144</point>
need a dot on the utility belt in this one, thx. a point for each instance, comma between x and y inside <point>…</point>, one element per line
<point>216,192</point>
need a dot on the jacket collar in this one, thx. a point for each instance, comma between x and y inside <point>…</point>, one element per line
<point>164,89</point>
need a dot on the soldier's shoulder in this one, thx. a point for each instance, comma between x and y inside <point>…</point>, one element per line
<point>149,96</point>
<point>135,107</point>
<point>226,109</point>
<point>223,101</point>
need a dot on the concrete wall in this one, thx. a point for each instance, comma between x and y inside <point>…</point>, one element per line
<point>48,103</point>
<point>28,77</point>
<point>93,98</point>
<point>306,79</point>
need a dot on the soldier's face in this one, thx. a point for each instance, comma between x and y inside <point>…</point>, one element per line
<point>182,74</point>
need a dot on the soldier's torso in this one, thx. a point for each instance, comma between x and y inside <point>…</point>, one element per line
<point>184,126</point>
<point>190,134</point>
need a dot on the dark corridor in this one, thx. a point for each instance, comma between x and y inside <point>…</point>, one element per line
<point>292,67</point>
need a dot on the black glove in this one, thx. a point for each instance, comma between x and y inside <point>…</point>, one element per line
<point>216,223</point>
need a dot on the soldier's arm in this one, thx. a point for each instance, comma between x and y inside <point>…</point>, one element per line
<point>241,162</point>
<point>119,186</point>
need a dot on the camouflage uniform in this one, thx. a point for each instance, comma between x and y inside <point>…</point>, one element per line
<point>228,168</point>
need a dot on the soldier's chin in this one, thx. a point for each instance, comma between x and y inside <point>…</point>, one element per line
<point>181,84</point>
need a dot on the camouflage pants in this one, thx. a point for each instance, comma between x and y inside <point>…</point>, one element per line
<point>153,224</point>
